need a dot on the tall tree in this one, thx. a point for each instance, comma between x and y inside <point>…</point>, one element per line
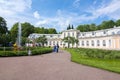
<point>72,27</point>
<point>3,26</point>
<point>27,29</point>
<point>69,27</point>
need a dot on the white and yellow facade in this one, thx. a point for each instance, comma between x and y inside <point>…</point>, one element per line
<point>103,39</point>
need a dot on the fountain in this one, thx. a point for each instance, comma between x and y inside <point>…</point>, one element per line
<point>17,45</point>
<point>19,35</point>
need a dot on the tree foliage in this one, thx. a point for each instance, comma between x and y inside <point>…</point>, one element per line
<point>43,30</point>
<point>3,26</point>
<point>70,40</point>
<point>103,25</point>
<point>70,27</point>
<point>42,40</point>
<point>27,29</point>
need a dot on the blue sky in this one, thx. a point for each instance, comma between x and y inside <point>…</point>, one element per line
<point>59,14</point>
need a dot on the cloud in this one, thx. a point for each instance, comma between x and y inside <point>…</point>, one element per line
<point>76,3</point>
<point>110,10</point>
<point>36,15</point>
<point>21,10</point>
<point>15,10</point>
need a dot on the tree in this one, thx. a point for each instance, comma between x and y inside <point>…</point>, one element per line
<point>84,28</point>
<point>27,29</point>
<point>42,40</point>
<point>67,40</point>
<point>5,39</point>
<point>68,27</point>
<point>43,30</point>
<point>70,40</point>
<point>92,27</point>
<point>107,24</point>
<point>52,31</point>
<point>72,27</point>
<point>3,26</point>
<point>73,40</point>
<point>118,22</point>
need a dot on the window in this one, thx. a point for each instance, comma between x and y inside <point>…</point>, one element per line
<point>51,36</point>
<point>113,33</point>
<point>98,43</point>
<point>109,42</point>
<point>92,43</point>
<point>68,34</point>
<point>104,32</point>
<point>93,33</point>
<point>104,43</point>
<point>49,42</point>
<point>83,34</point>
<point>82,43</point>
<point>87,43</point>
<point>73,34</point>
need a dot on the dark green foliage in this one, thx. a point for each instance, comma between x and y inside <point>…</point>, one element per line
<point>24,52</point>
<point>6,48</point>
<point>98,53</point>
<point>70,27</point>
<point>3,26</point>
<point>41,51</point>
<point>92,27</point>
<point>12,53</point>
<point>43,30</point>
<point>118,22</point>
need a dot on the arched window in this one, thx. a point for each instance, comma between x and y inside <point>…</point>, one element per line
<point>87,43</point>
<point>109,42</point>
<point>98,43</point>
<point>49,42</point>
<point>104,43</point>
<point>92,43</point>
<point>82,43</point>
<point>68,34</point>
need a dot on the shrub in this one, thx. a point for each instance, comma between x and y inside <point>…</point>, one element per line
<point>35,51</point>
<point>98,53</point>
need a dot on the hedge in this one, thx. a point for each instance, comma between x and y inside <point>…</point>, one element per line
<point>99,53</point>
<point>34,51</point>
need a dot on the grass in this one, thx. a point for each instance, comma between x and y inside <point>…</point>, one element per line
<point>112,65</point>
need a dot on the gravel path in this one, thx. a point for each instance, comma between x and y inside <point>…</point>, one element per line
<point>54,66</point>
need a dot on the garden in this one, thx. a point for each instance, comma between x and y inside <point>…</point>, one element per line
<point>103,59</point>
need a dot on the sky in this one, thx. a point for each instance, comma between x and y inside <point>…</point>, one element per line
<point>59,14</point>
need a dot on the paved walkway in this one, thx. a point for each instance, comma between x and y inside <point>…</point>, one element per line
<point>54,66</point>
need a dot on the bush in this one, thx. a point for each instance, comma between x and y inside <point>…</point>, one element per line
<point>35,51</point>
<point>98,53</point>
<point>6,48</point>
<point>41,51</point>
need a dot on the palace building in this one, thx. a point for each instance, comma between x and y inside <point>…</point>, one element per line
<point>102,39</point>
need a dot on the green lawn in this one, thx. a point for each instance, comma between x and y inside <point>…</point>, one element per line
<point>107,64</point>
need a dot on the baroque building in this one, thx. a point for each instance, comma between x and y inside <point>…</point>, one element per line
<point>103,39</point>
